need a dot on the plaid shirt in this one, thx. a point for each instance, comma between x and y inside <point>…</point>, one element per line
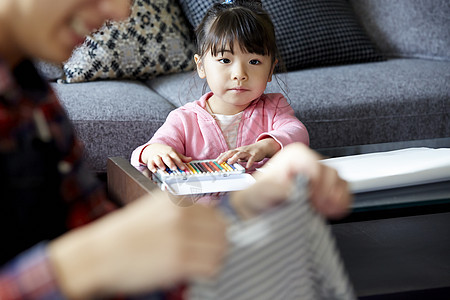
<point>43,178</point>
<point>29,276</point>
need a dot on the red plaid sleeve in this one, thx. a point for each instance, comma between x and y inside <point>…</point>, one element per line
<point>29,276</point>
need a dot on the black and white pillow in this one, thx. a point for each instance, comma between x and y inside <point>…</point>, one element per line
<point>154,40</point>
<point>309,33</point>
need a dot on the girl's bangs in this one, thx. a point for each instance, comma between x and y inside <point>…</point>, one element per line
<point>250,36</point>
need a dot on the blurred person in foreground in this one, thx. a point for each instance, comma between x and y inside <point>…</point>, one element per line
<point>61,236</point>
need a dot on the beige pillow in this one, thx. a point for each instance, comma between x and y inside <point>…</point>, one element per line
<point>154,40</point>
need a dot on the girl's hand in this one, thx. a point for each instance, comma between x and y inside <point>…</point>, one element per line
<point>251,153</point>
<point>329,193</point>
<point>160,155</point>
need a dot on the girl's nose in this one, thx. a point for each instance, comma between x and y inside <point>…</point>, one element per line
<point>239,73</point>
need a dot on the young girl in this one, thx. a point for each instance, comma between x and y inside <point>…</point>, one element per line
<point>236,121</point>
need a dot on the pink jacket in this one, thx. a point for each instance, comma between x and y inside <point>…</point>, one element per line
<point>192,131</point>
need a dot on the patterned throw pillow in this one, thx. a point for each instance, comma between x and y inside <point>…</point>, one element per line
<point>309,33</point>
<point>154,40</point>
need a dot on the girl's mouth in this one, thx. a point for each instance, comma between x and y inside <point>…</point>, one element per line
<point>239,89</point>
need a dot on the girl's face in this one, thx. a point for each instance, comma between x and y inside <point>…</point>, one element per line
<point>236,79</point>
<point>50,29</point>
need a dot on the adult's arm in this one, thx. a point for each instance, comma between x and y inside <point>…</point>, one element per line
<point>147,245</point>
<point>29,276</point>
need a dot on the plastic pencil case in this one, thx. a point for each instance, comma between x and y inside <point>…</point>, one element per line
<point>203,177</point>
<point>203,168</point>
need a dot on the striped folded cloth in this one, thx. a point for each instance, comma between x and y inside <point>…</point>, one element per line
<point>286,253</point>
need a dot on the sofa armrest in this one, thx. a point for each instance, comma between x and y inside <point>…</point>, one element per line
<point>125,183</point>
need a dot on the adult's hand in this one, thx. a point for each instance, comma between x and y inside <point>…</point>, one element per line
<point>329,193</point>
<point>149,244</point>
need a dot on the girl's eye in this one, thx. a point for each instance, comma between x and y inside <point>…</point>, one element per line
<point>224,60</point>
<point>255,62</point>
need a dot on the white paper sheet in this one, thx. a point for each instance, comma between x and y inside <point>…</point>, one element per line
<point>382,170</point>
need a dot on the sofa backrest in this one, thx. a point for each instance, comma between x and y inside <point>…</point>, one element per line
<point>407,28</point>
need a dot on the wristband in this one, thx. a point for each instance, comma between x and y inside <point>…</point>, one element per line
<point>140,155</point>
<point>228,209</point>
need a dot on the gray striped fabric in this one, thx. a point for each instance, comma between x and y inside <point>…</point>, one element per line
<point>287,253</point>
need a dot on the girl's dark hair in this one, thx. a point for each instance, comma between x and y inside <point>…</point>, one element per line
<point>243,21</point>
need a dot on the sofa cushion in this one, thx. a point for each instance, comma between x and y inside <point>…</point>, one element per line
<point>179,88</point>
<point>413,28</point>
<point>112,118</point>
<point>48,70</point>
<point>395,100</point>
<point>309,33</point>
<point>154,40</point>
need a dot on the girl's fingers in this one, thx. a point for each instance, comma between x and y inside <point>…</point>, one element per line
<point>250,161</point>
<point>184,158</point>
<point>178,162</point>
<point>219,158</point>
<point>169,162</point>
<point>151,166</point>
<point>243,156</point>
<point>158,161</point>
<point>232,159</point>
<point>225,156</point>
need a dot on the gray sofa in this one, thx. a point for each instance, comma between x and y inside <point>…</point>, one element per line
<point>402,99</point>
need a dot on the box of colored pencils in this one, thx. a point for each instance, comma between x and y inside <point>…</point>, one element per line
<point>203,176</point>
